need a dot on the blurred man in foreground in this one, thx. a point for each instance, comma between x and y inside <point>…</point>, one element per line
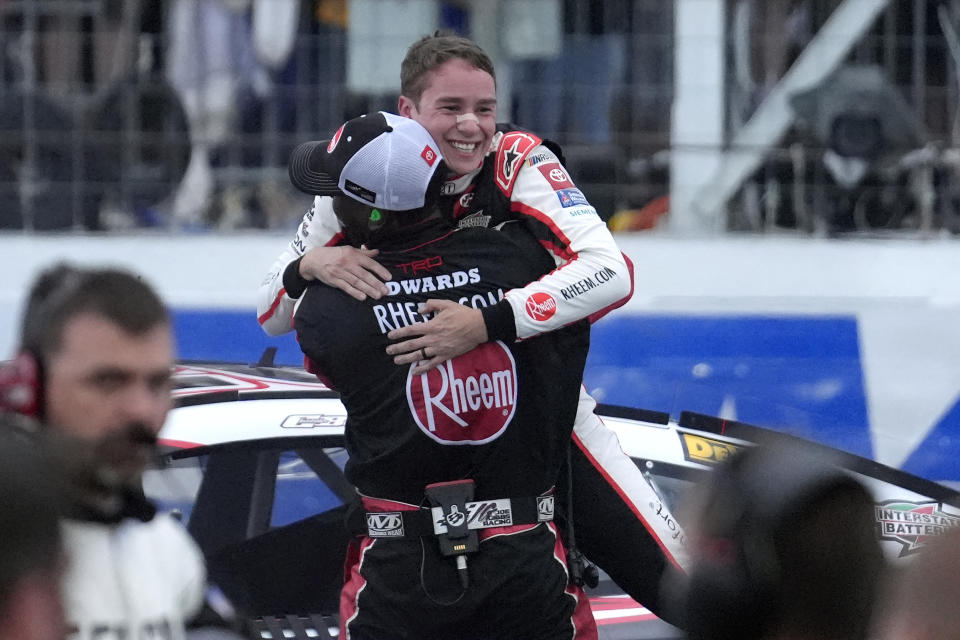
<point>783,547</point>
<point>923,604</point>
<point>95,361</point>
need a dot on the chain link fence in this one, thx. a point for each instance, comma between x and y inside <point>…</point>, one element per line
<point>180,115</point>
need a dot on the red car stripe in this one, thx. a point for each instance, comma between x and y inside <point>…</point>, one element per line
<point>179,444</point>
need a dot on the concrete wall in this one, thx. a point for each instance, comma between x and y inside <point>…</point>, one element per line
<point>854,343</point>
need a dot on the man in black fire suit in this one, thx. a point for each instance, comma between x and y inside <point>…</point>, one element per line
<point>455,465</point>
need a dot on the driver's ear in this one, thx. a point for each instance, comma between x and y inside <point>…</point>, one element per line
<point>406,107</point>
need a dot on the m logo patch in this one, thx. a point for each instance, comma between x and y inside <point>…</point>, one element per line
<point>545,508</point>
<point>385,525</point>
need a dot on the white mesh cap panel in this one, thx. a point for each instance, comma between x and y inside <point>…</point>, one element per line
<point>369,169</point>
<point>395,167</point>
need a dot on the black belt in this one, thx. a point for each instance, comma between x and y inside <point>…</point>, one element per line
<point>481,514</point>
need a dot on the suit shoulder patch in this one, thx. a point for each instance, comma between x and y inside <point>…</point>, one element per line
<point>513,148</point>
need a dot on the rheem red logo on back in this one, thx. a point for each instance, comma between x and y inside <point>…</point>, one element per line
<point>541,306</point>
<point>468,400</point>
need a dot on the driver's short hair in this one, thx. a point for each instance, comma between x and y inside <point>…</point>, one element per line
<point>429,52</point>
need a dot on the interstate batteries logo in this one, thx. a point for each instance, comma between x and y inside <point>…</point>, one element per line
<point>468,400</point>
<point>912,524</point>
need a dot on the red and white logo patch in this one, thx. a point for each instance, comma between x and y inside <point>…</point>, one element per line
<point>541,306</point>
<point>335,139</point>
<point>556,176</point>
<point>513,148</point>
<point>468,400</point>
<point>429,155</point>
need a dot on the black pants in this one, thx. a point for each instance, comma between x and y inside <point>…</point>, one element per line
<point>518,589</point>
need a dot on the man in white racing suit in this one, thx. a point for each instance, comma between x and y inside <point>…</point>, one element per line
<point>94,366</point>
<point>448,86</point>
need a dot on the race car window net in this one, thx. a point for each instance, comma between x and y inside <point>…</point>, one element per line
<point>282,485</point>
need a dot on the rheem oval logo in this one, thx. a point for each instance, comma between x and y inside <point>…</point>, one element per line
<point>541,306</point>
<point>468,400</point>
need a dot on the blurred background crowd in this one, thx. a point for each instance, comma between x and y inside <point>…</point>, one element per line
<point>180,115</point>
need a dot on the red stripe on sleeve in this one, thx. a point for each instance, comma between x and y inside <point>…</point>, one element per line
<point>563,250</point>
<point>596,315</point>
<point>626,500</point>
<point>273,307</point>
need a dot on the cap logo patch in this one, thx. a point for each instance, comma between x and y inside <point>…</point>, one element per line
<point>360,192</point>
<point>429,155</point>
<point>335,139</point>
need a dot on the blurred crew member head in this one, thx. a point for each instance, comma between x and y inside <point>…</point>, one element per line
<point>383,171</point>
<point>783,546</point>
<point>100,344</point>
<point>31,556</point>
<point>447,84</point>
<point>923,602</point>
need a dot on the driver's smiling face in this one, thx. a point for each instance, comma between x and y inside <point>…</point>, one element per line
<point>458,108</point>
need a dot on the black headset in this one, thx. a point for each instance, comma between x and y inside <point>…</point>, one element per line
<point>21,379</point>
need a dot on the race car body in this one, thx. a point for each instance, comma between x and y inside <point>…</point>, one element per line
<point>253,465</point>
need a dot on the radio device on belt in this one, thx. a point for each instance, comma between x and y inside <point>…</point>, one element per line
<point>449,506</point>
